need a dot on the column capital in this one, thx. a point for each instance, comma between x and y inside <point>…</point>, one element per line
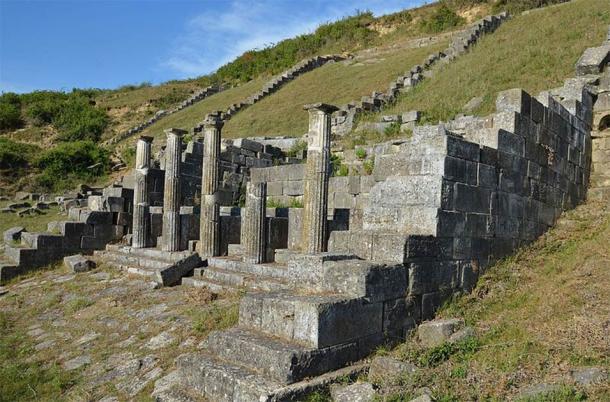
<point>146,139</point>
<point>322,107</point>
<point>213,120</point>
<point>178,132</point>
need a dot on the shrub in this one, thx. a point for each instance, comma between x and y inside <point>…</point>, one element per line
<point>15,155</point>
<point>343,170</point>
<point>360,153</point>
<point>443,18</point>
<point>10,111</point>
<point>79,120</point>
<point>43,107</point>
<point>71,161</point>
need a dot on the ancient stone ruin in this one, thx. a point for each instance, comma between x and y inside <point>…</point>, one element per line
<point>367,257</point>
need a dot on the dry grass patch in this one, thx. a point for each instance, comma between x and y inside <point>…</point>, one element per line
<point>335,83</point>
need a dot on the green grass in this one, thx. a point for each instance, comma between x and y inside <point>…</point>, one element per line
<point>21,378</point>
<point>33,223</point>
<point>535,52</point>
<point>337,83</point>
<point>537,315</point>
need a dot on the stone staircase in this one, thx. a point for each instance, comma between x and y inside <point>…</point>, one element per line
<point>232,273</point>
<point>285,337</point>
<point>163,267</point>
<point>32,250</point>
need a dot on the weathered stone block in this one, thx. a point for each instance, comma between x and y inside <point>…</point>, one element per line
<point>13,234</point>
<point>78,263</point>
<point>436,332</point>
<point>387,370</point>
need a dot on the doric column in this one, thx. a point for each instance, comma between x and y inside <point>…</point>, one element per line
<point>140,224</point>
<point>317,172</point>
<point>253,228</point>
<point>209,226</point>
<point>171,196</point>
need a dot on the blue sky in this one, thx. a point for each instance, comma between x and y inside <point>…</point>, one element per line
<point>48,44</point>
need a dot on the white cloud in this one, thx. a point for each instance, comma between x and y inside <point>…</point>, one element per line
<point>214,38</point>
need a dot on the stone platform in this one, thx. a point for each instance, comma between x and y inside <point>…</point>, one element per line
<point>166,268</point>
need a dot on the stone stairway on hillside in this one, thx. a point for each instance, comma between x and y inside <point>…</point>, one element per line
<point>163,267</point>
<point>284,337</point>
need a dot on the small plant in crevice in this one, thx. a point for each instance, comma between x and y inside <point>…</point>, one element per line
<point>361,153</point>
<point>368,166</point>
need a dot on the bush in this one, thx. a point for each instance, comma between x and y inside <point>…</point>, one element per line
<point>43,107</point>
<point>15,155</point>
<point>79,120</point>
<point>10,111</point>
<point>443,18</point>
<point>71,161</point>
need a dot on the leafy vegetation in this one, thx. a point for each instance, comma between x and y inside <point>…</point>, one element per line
<point>16,155</point>
<point>442,19</point>
<point>73,114</point>
<point>63,165</point>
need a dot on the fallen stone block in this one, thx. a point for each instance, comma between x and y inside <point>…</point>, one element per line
<point>436,332</point>
<point>79,263</point>
<point>589,375</point>
<point>358,392</point>
<point>387,370</point>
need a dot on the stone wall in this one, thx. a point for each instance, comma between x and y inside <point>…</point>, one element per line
<point>459,196</point>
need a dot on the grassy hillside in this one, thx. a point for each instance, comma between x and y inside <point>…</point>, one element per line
<point>536,52</point>
<point>187,118</point>
<point>537,316</point>
<point>336,83</point>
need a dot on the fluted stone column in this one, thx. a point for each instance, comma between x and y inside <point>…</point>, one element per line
<point>253,228</point>
<point>171,196</point>
<point>317,172</point>
<point>209,226</point>
<point>141,202</point>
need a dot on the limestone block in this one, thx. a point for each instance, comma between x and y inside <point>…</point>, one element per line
<point>436,332</point>
<point>514,100</point>
<point>78,263</point>
<point>274,188</point>
<point>358,392</point>
<point>461,170</point>
<point>293,188</point>
<point>96,217</point>
<point>593,60</point>
<point>387,370</point>
<point>13,234</point>
<point>400,315</point>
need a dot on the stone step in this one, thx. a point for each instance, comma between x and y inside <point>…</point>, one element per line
<point>150,252</point>
<point>8,271</point>
<point>118,258</point>
<point>221,381</point>
<point>235,250</point>
<point>235,263</point>
<point>167,272</point>
<point>276,359</point>
<point>316,321</point>
<point>243,279</point>
<point>213,286</point>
